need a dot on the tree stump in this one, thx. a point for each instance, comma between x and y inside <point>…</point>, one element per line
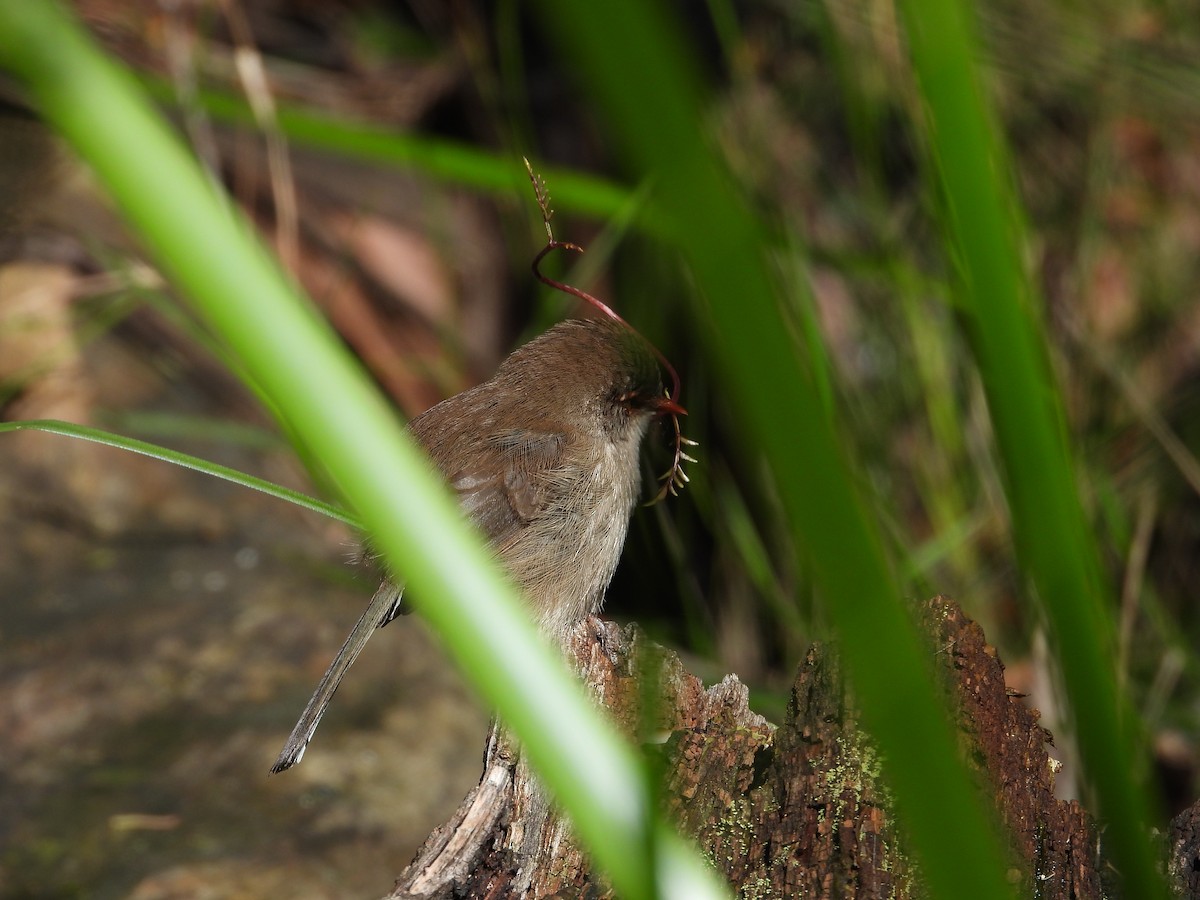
<point>797,810</point>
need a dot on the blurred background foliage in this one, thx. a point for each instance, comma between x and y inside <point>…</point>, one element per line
<point>378,146</point>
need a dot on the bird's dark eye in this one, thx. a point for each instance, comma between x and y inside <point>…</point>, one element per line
<point>630,400</point>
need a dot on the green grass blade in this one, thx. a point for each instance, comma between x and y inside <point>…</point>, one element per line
<point>216,470</point>
<point>211,254</point>
<point>438,158</point>
<point>1052,533</point>
<point>177,426</point>
<point>629,56</point>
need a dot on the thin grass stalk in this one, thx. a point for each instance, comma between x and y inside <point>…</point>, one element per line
<point>1054,541</point>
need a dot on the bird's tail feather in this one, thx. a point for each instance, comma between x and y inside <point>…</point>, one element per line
<point>384,606</point>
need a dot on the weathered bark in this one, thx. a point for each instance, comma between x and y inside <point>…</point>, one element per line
<point>1184,853</point>
<point>793,811</point>
<point>506,840</point>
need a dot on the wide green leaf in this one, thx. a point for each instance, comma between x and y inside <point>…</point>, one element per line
<point>630,57</point>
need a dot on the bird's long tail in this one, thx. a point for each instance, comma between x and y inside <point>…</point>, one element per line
<point>385,606</point>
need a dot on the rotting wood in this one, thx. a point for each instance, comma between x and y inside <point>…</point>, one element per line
<point>797,810</point>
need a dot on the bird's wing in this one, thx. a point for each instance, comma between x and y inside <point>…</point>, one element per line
<point>501,499</point>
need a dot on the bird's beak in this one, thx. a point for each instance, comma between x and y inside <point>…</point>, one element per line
<point>666,405</point>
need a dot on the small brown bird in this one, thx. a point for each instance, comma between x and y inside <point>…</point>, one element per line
<point>544,459</point>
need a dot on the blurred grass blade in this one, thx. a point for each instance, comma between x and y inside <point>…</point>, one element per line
<point>629,54</point>
<point>209,251</point>
<point>438,158</point>
<point>1052,533</point>
<point>183,426</point>
<point>216,470</point>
